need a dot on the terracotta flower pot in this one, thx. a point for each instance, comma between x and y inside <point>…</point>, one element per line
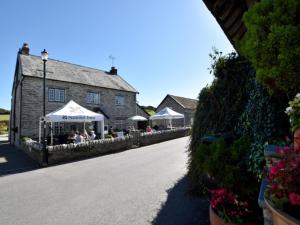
<point>279,217</point>
<point>216,220</point>
<point>297,138</point>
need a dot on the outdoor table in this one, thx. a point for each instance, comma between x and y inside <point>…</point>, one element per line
<point>70,140</point>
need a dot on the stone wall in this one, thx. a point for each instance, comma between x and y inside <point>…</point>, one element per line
<point>33,149</point>
<point>32,107</point>
<point>160,136</point>
<point>64,153</point>
<point>69,152</point>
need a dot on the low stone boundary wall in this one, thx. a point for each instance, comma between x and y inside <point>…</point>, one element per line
<point>69,152</point>
<point>149,138</point>
<point>33,149</point>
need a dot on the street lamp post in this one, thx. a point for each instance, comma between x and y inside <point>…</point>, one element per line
<point>44,55</point>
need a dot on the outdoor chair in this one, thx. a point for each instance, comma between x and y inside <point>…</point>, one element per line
<point>120,135</point>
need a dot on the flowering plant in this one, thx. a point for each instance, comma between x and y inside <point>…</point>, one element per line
<point>227,206</point>
<point>293,112</point>
<point>284,181</point>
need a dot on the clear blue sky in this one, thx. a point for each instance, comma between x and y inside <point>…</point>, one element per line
<point>161,46</point>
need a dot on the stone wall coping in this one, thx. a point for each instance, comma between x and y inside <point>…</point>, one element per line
<point>38,146</point>
<point>163,131</point>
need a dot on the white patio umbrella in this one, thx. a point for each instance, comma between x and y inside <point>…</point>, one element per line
<point>137,118</point>
<point>166,114</point>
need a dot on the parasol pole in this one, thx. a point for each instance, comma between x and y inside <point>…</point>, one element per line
<point>51,128</point>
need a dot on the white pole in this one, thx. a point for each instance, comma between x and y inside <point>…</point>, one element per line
<point>102,129</point>
<point>51,128</point>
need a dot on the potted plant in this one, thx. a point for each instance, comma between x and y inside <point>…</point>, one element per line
<point>226,208</point>
<point>293,112</point>
<point>283,192</point>
<point>233,189</point>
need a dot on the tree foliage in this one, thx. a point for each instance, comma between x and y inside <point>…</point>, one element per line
<point>271,43</point>
<point>220,104</point>
<point>4,111</point>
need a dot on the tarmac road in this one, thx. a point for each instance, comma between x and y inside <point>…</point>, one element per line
<point>136,187</point>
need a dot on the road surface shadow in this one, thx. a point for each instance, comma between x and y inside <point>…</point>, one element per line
<point>14,160</point>
<point>181,208</point>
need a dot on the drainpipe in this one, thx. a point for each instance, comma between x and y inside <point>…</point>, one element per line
<point>20,116</point>
<point>13,128</point>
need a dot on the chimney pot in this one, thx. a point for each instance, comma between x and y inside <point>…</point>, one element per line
<point>25,49</point>
<point>113,71</point>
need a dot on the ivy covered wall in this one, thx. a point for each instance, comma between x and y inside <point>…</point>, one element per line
<point>236,104</point>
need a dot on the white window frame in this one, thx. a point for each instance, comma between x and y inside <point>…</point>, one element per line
<point>119,124</point>
<point>58,128</point>
<point>56,95</point>
<point>119,100</point>
<point>93,98</point>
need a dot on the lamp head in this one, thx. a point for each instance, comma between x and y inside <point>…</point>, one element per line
<point>44,55</point>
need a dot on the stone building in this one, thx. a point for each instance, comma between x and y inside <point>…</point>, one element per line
<point>100,91</point>
<point>181,105</point>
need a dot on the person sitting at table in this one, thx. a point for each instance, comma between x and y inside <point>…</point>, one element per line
<point>71,137</point>
<point>86,135</point>
<point>92,135</point>
<point>79,138</point>
<point>148,129</point>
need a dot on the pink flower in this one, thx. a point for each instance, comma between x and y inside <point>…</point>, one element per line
<point>274,170</point>
<point>294,198</point>
<point>287,139</point>
<point>274,187</point>
<point>280,164</point>
<point>293,164</point>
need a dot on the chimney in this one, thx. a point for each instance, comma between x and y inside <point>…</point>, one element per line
<point>113,71</point>
<point>25,49</point>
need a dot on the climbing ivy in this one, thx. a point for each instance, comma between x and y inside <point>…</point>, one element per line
<point>236,103</point>
<point>263,119</point>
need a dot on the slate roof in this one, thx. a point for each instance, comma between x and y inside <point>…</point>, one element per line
<point>186,103</point>
<point>62,71</point>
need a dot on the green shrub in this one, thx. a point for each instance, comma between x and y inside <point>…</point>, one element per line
<point>108,136</point>
<point>4,124</point>
<point>220,106</point>
<point>227,165</point>
<point>236,103</point>
<point>271,43</point>
<point>24,138</point>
